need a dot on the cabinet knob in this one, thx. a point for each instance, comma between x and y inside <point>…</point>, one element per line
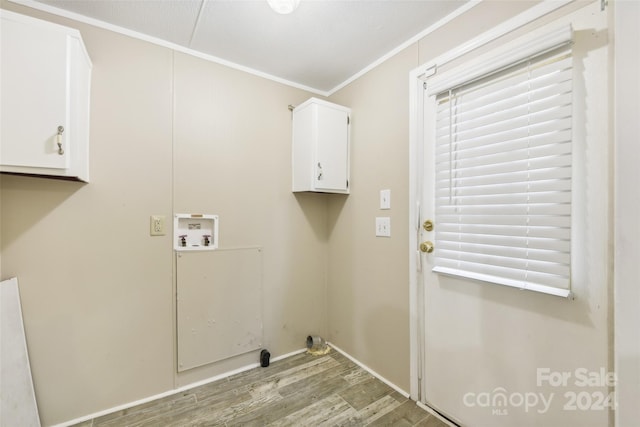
<point>59,140</point>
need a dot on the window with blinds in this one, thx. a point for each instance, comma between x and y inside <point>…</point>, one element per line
<point>503,175</point>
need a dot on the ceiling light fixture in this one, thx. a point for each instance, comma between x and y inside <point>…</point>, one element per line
<point>284,6</point>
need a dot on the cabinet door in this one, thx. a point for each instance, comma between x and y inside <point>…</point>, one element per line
<point>35,94</point>
<point>332,150</point>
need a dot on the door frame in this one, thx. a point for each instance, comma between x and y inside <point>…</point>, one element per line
<point>626,210</point>
<point>416,174</point>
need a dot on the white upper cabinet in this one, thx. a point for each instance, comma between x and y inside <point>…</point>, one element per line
<point>321,147</point>
<point>45,84</point>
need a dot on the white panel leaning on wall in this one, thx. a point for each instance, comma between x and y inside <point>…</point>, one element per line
<point>18,403</point>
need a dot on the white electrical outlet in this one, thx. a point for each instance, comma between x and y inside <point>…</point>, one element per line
<point>383,226</point>
<point>157,225</point>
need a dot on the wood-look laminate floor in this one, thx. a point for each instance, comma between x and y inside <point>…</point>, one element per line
<point>301,390</point>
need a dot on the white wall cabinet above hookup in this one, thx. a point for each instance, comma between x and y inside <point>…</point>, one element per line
<point>320,154</point>
<point>195,232</point>
<point>45,85</point>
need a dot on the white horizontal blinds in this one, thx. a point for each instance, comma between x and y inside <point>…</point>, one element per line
<point>503,176</point>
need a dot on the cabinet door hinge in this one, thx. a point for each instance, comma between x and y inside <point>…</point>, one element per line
<point>348,120</point>
<point>347,183</point>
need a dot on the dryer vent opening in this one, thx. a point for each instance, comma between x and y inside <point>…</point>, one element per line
<point>317,345</point>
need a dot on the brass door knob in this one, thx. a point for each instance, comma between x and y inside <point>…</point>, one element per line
<point>426,247</point>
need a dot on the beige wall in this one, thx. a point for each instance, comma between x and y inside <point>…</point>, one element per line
<point>97,314</point>
<point>232,157</point>
<point>368,275</point>
<point>169,134</point>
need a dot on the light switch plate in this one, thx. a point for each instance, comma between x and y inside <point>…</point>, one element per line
<point>383,226</point>
<point>385,199</point>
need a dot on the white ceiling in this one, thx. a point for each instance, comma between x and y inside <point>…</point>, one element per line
<point>320,46</point>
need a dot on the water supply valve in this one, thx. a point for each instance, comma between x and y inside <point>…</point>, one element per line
<point>195,232</point>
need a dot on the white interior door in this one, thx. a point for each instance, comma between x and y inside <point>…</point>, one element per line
<point>492,355</point>
<point>18,405</point>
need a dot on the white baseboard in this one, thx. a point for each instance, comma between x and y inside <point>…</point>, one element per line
<point>371,371</point>
<point>293,353</point>
<point>173,391</point>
